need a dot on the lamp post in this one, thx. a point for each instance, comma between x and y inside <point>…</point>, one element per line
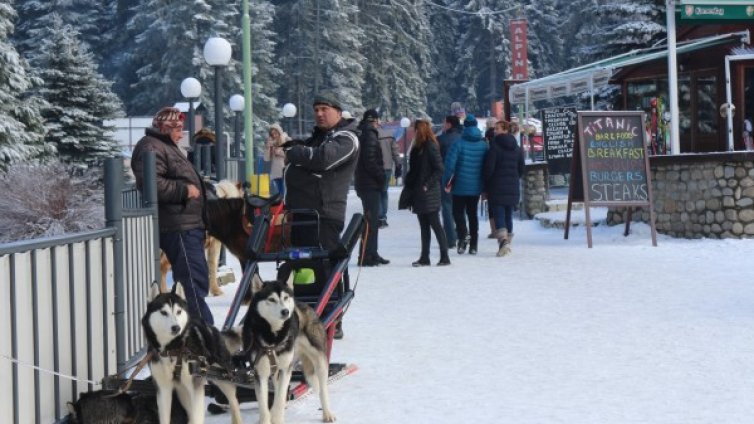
<point>289,111</point>
<point>237,105</point>
<point>217,52</point>
<point>405,123</point>
<point>192,89</point>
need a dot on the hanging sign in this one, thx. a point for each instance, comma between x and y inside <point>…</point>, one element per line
<point>520,68</point>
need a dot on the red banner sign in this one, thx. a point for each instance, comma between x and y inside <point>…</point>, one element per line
<point>519,49</point>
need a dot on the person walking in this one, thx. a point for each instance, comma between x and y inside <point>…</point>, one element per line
<point>451,132</point>
<point>204,144</point>
<point>369,182</point>
<point>390,160</point>
<point>317,177</point>
<point>489,134</point>
<point>463,171</point>
<point>273,152</point>
<point>423,180</point>
<point>180,203</point>
<point>502,170</point>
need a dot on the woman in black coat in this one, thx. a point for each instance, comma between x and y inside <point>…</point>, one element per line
<point>423,181</point>
<point>503,167</point>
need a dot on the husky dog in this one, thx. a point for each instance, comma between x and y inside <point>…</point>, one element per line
<point>173,336</point>
<point>277,330</point>
<point>109,407</point>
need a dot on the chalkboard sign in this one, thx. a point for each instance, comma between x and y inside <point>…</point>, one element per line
<point>610,166</point>
<point>559,131</point>
<point>613,157</point>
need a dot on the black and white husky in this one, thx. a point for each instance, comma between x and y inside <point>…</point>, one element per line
<point>174,336</point>
<point>277,331</point>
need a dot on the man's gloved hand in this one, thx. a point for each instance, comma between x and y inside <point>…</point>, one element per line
<point>398,170</point>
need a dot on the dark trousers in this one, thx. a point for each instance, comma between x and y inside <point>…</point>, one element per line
<point>278,186</point>
<point>466,206</point>
<point>307,236</point>
<point>427,221</point>
<point>371,201</point>
<point>185,251</point>
<point>383,202</point>
<point>503,217</point>
<point>448,222</point>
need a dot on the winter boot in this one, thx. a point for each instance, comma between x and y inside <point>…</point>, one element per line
<point>463,244</point>
<point>503,242</point>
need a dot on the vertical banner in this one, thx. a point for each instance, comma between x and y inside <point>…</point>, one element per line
<point>519,49</point>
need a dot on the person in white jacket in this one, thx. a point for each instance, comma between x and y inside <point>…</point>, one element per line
<point>273,152</point>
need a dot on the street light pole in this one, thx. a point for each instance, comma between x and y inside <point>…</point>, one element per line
<point>237,105</point>
<point>248,116</point>
<point>405,123</point>
<point>192,89</point>
<point>217,52</point>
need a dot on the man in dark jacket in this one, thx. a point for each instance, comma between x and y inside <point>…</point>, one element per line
<point>180,199</point>
<point>318,176</point>
<point>451,132</point>
<point>319,173</point>
<point>370,178</point>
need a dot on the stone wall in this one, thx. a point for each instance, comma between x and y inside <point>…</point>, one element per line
<point>700,195</point>
<point>536,190</point>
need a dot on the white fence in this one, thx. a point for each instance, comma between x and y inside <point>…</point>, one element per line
<point>70,307</point>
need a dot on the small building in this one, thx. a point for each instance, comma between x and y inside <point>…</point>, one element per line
<point>708,55</point>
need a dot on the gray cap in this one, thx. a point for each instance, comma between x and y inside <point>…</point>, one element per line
<point>327,98</point>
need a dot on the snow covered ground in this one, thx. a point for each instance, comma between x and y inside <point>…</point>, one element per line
<point>554,333</point>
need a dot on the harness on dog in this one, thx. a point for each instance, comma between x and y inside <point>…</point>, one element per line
<point>197,364</point>
<point>269,351</point>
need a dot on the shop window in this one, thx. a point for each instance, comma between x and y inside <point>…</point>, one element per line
<point>706,87</point>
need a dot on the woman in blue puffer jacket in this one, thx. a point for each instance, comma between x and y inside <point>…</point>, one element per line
<point>463,165</point>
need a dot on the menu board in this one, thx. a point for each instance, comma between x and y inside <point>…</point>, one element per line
<point>614,160</point>
<point>610,166</point>
<point>558,130</point>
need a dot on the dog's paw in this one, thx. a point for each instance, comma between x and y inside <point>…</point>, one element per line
<point>217,292</point>
<point>328,417</point>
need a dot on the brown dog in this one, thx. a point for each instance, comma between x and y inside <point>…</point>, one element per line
<point>225,189</point>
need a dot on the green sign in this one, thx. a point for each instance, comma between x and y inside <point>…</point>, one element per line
<point>719,12</point>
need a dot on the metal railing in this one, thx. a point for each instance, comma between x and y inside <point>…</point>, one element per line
<point>70,306</point>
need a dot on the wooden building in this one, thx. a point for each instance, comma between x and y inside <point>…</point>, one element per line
<point>706,54</point>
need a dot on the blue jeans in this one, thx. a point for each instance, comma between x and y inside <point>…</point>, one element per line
<point>448,224</point>
<point>503,217</point>
<point>383,199</point>
<point>185,251</point>
<point>279,186</point>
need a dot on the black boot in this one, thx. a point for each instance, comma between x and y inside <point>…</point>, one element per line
<point>421,262</point>
<point>338,331</point>
<point>444,259</point>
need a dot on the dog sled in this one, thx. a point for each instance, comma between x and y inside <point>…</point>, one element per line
<point>329,294</point>
<point>268,241</point>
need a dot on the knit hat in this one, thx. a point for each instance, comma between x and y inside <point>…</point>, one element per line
<point>371,115</point>
<point>169,116</point>
<point>470,121</point>
<point>327,98</point>
<point>456,108</point>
